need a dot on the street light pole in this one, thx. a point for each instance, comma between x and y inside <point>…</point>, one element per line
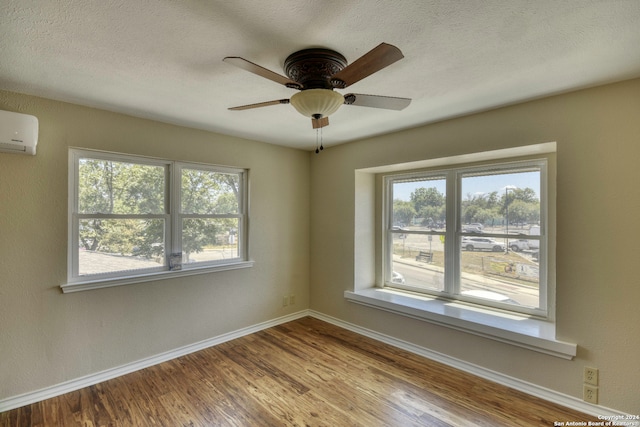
<point>506,204</point>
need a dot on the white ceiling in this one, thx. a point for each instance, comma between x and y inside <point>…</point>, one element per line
<point>163,59</point>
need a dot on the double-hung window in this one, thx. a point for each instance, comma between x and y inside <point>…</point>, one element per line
<point>474,234</point>
<point>134,217</point>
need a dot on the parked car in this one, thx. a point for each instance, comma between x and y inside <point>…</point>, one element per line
<point>533,244</point>
<point>397,278</point>
<point>489,295</point>
<point>472,228</point>
<point>482,243</point>
<point>534,230</point>
<point>519,245</point>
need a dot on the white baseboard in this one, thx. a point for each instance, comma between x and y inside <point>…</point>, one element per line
<point>89,380</point>
<point>497,377</point>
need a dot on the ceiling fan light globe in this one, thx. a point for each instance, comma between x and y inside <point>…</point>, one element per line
<point>311,102</point>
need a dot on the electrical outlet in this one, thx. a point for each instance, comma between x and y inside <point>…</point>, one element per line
<point>292,299</point>
<point>590,394</point>
<point>285,300</point>
<point>590,375</point>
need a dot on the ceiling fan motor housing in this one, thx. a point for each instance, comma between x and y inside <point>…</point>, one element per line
<point>313,68</point>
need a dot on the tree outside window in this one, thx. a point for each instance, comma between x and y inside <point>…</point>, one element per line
<point>123,220</point>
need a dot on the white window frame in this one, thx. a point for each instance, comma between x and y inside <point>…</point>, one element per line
<point>453,175</point>
<point>173,224</point>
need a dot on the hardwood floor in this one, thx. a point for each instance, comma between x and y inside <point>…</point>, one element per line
<point>303,373</point>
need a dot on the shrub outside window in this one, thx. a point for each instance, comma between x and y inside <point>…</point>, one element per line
<point>135,216</point>
<point>472,234</point>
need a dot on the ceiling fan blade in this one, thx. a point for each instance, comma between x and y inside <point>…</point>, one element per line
<point>375,60</point>
<point>260,104</point>
<point>375,101</point>
<point>261,71</point>
<point>320,123</point>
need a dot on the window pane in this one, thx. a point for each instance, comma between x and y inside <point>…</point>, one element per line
<point>208,192</point>
<point>490,272</point>
<point>501,202</point>
<point>111,187</point>
<point>111,245</point>
<point>494,225</point>
<point>418,261</point>
<point>501,269</point>
<point>419,202</point>
<point>209,239</point>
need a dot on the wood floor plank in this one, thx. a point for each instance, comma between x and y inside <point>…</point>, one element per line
<point>341,379</point>
<point>136,406</point>
<point>239,386</point>
<point>438,379</point>
<point>302,373</point>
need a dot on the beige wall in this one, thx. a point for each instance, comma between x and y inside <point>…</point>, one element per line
<point>598,208</point>
<point>47,337</point>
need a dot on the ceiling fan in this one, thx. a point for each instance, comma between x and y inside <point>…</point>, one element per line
<point>317,72</point>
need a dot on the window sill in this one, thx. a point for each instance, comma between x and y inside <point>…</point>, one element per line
<point>533,334</point>
<point>120,281</point>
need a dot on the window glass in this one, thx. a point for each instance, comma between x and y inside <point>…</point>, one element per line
<point>499,261</point>
<point>209,239</point>
<point>471,233</point>
<point>112,187</point>
<point>419,206</point>
<point>505,202</point>
<point>124,220</point>
<point>209,192</point>
<point>113,245</point>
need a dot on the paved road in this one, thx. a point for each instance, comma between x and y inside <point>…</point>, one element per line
<point>429,277</point>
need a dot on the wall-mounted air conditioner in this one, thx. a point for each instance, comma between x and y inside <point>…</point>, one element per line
<point>18,133</point>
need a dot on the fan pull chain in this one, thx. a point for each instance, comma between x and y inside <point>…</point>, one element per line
<point>319,146</point>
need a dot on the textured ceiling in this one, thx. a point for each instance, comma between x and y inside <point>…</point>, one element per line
<point>163,59</point>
